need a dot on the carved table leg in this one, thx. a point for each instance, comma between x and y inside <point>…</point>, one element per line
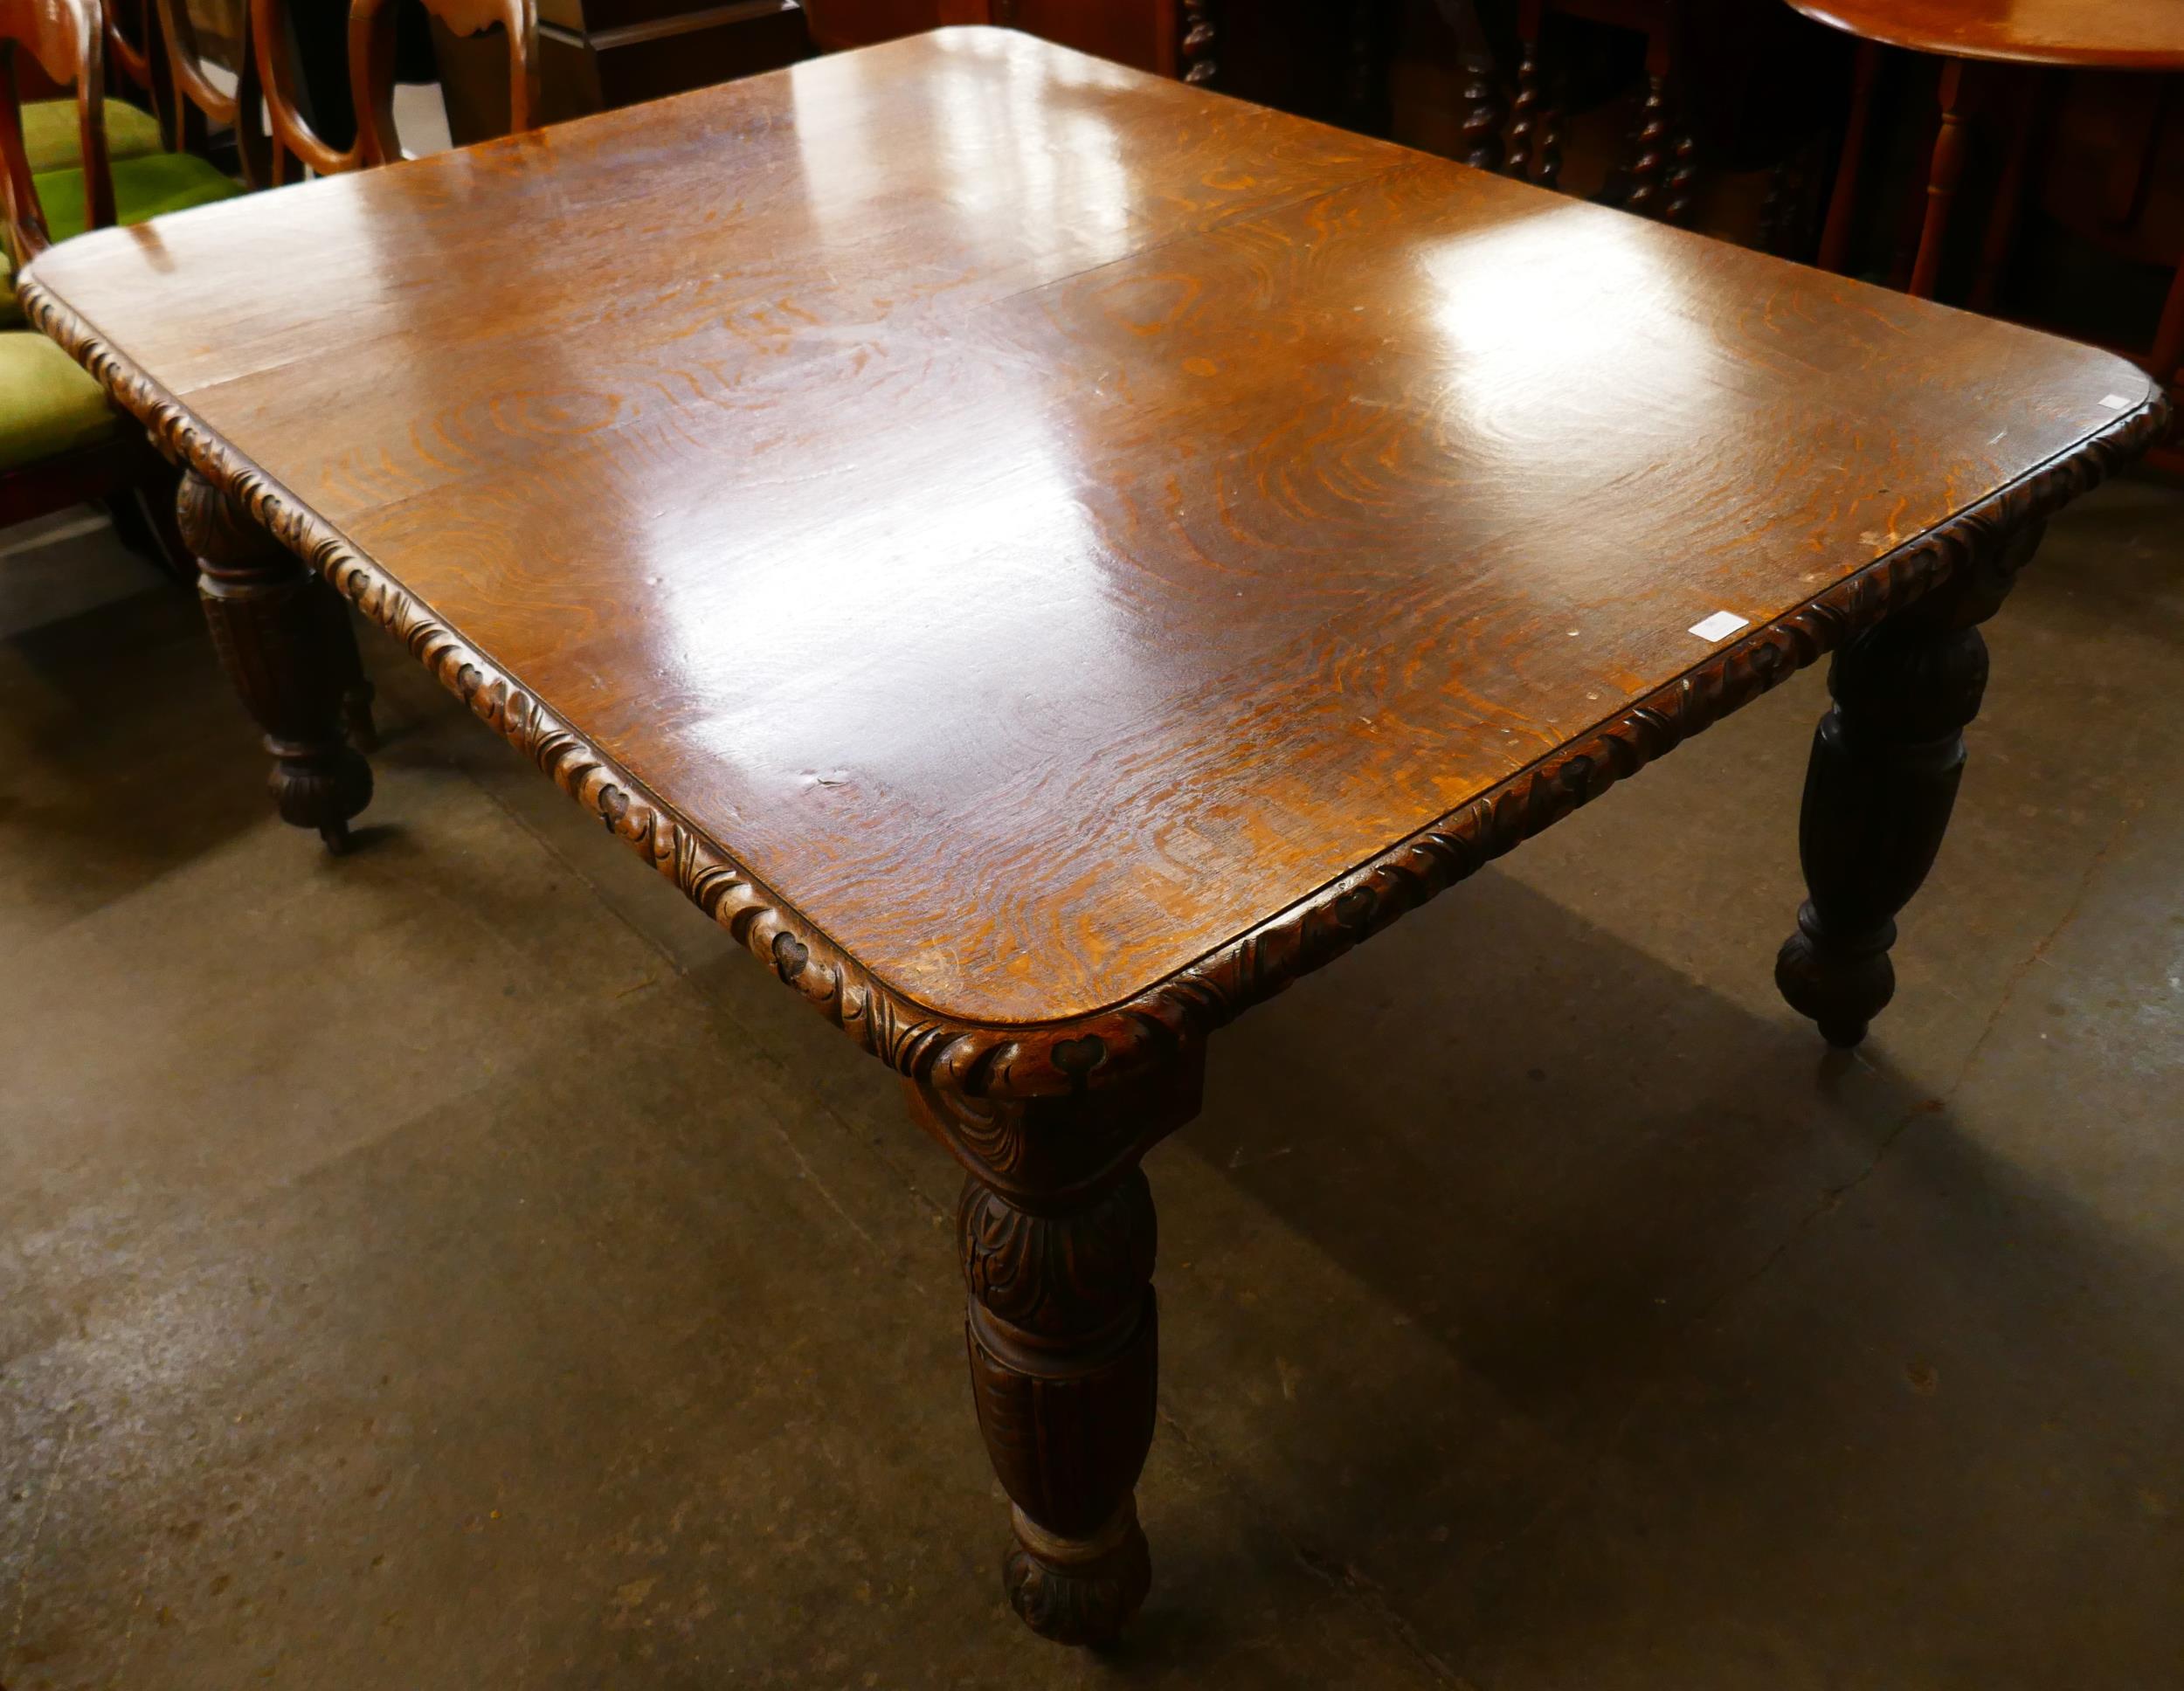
<point>1886,761</point>
<point>284,638</point>
<point>1057,1234</point>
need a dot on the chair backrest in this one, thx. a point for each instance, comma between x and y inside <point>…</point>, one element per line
<point>67,39</point>
<point>132,51</point>
<point>371,64</point>
<point>201,104</point>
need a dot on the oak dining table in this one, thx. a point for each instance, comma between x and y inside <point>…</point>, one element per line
<point>1048,556</point>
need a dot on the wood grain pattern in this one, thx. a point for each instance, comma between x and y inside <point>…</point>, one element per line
<point>1048,555</point>
<point>2144,35</point>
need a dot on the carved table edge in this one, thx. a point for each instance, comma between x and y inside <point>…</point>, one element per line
<point>1106,1046</point>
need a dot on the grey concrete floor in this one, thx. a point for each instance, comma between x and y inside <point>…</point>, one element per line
<point>458,1267</point>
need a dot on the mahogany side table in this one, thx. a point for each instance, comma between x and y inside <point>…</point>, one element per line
<point>2119,35</point>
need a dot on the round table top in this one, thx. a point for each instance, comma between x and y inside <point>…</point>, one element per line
<point>2138,35</point>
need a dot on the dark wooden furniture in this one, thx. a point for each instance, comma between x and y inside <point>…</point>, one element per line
<point>598,54</point>
<point>2018,37</point>
<point>136,58</point>
<point>1168,38</point>
<point>1654,177</point>
<point>1046,557</point>
<point>206,102</point>
<point>296,146</point>
<point>60,444</point>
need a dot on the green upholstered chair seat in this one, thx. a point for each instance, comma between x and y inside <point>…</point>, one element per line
<point>49,134</point>
<point>143,189</point>
<point>48,406</point>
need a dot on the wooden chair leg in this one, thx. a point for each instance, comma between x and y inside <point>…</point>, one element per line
<point>1554,104</point>
<point>1481,101</point>
<point>1941,183</point>
<point>1662,151</point>
<point>144,516</point>
<point>1842,202</point>
<point>2168,340</point>
<point>1521,160</point>
<point>2027,111</point>
<point>1200,37</point>
<point>1366,97</point>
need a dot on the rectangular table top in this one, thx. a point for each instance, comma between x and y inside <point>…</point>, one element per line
<point>1045,521</point>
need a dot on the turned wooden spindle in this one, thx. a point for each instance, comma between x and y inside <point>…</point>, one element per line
<point>1481,101</point>
<point>1524,151</point>
<point>1941,182</point>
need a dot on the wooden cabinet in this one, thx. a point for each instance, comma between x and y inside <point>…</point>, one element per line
<point>593,54</point>
<point>1147,34</point>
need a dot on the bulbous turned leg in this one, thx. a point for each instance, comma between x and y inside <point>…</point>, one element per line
<point>1057,1234</point>
<point>1886,763</point>
<point>1063,1338</point>
<point>285,642</point>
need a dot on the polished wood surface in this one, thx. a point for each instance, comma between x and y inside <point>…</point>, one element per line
<point>2143,35</point>
<point>1045,521</point>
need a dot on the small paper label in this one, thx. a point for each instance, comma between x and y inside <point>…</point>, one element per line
<point>1720,626</point>
<point>2116,401</point>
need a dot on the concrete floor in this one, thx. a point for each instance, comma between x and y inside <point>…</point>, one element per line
<point>458,1267</point>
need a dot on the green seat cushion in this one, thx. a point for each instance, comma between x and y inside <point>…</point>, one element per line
<point>143,189</point>
<point>48,406</point>
<point>49,134</point>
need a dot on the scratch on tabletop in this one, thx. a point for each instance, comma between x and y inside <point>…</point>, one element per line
<point>38,1531</point>
<point>128,1632</point>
